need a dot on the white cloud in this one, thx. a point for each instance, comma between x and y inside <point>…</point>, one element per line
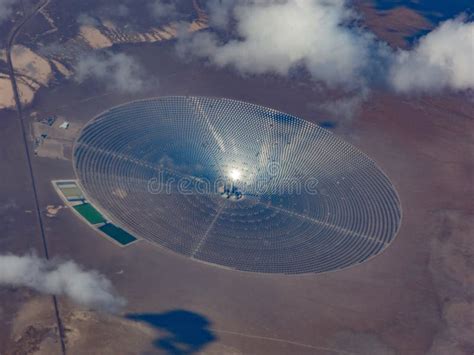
<point>163,9</point>
<point>347,106</point>
<point>86,20</point>
<point>322,36</point>
<point>118,71</point>
<point>88,288</point>
<point>444,58</point>
<point>220,12</point>
<point>280,36</point>
<point>6,9</point>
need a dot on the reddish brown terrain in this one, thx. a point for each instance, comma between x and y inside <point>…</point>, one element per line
<point>395,25</point>
<point>415,298</point>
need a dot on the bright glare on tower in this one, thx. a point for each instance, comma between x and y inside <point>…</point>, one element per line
<point>235,174</point>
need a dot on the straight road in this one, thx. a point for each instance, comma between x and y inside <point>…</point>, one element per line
<point>11,41</point>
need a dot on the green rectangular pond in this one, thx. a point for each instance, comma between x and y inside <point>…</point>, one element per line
<point>117,234</point>
<point>90,213</point>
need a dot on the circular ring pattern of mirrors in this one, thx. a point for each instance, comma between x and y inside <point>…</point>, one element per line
<point>236,185</point>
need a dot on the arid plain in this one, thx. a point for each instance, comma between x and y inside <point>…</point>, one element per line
<point>414,298</point>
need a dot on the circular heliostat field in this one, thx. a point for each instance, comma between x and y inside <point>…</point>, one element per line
<point>237,185</point>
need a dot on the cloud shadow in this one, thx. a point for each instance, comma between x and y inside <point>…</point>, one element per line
<point>186,332</point>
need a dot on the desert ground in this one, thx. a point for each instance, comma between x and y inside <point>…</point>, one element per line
<point>415,298</point>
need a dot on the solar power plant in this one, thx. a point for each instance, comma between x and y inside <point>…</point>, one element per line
<point>237,185</point>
